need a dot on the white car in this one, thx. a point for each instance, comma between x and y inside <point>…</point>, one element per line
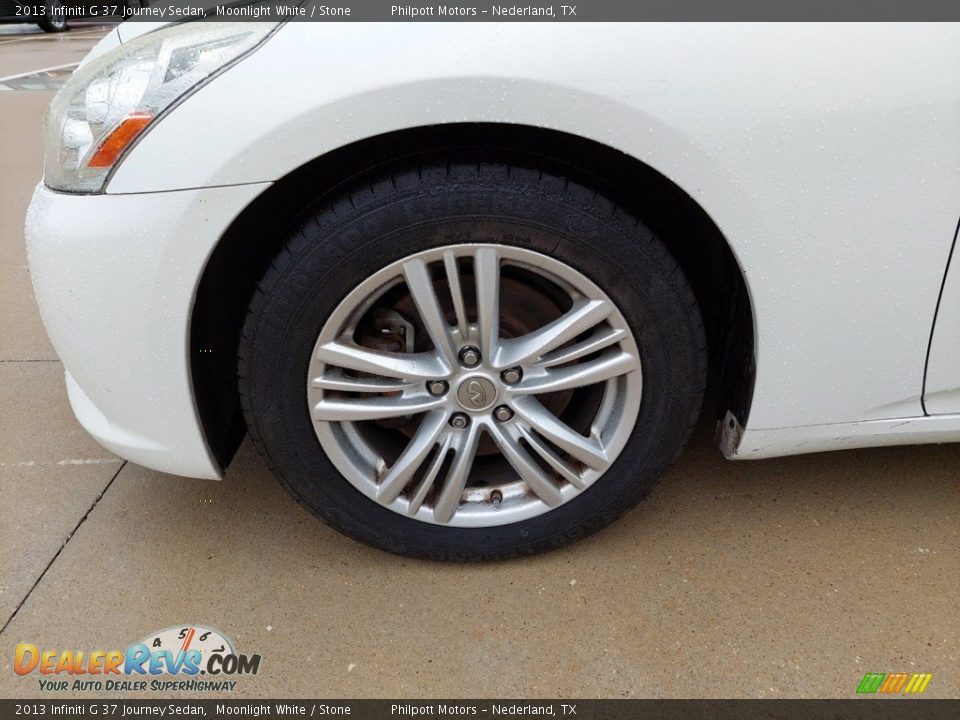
<point>461,282</point>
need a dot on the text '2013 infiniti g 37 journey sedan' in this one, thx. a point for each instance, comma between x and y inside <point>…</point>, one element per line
<point>461,282</point>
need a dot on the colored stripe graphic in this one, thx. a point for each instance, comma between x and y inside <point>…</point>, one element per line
<point>892,683</point>
<point>918,682</point>
<point>871,682</point>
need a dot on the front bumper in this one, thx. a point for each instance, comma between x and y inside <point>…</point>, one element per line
<point>115,277</point>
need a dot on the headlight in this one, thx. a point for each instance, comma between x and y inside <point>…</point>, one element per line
<point>111,100</point>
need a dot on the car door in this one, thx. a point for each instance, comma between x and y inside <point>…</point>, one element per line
<point>942,383</point>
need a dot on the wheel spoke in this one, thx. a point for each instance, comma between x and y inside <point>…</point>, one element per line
<point>337,380</point>
<point>456,292</point>
<point>378,407</point>
<point>584,315</point>
<point>421,288</point>
<point>417,450</point>
<point>584,449</point>
<point>407,366</point>
<point>528,470</point>
<point>609,365</point>
<point>552,459</point>
<point>486,270</point>
<point>598,341</point>
<point>427,481</point>
<point>465,447</point>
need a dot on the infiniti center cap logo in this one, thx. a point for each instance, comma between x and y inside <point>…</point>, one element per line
<point>476,393</point>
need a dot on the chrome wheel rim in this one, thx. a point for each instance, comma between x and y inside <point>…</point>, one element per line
<point>474,385</point>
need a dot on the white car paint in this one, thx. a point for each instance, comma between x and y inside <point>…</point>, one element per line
<point>105,44</point>
<point>115,279</point>
<point>942,389</point>
<point>129,30</point>
<point>828,155</point>
<point>122,33</point>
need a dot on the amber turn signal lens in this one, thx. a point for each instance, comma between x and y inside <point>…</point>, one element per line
<point>117,141</point>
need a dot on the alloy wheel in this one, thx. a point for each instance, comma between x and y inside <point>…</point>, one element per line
<point>474,385</point>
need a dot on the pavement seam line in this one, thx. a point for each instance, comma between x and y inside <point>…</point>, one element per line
<point>75,35</point>
<point>18,76</point>
<point>69,537</point>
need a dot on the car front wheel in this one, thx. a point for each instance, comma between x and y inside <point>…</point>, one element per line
<point>471,361</point>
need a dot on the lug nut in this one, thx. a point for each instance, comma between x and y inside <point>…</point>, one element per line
<point>502,413</point>
<point>459,421</point>
<point>511,376</point>
<point>470,356</point>
<point>437,387</point>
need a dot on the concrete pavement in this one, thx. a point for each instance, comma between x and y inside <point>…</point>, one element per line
<point>779,578</point>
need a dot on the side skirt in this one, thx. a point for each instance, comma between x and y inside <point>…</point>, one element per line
<point>738,443</point>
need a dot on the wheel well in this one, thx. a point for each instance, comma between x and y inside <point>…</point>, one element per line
<point>256,236</point>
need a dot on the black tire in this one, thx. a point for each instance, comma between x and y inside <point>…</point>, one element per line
<point>386,218</point>
<point>54,21</point>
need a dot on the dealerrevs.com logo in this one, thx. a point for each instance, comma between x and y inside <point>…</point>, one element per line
<point>189,658</point>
